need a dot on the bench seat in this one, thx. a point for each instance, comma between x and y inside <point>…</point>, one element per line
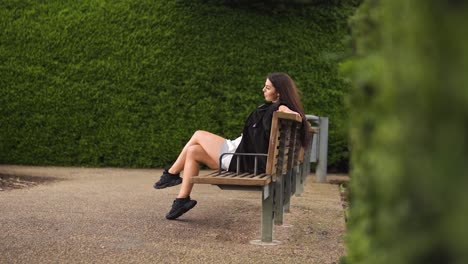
<point>232,178</point>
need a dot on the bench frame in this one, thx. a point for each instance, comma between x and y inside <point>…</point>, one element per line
<point>283,176</point>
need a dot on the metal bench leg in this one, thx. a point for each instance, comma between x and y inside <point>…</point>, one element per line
<point>287,192</point>
<point>298,179</point>
<point>267,213</point>
<point>267,217</point>
<point>294,180</point>
<point>278,203</point>
<point>304,173</point>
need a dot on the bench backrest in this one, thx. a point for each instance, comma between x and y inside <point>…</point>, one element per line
<point>284,150</point>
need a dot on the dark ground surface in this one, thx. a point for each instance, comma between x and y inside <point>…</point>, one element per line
<point>85,215</point>
<point>12,182</point>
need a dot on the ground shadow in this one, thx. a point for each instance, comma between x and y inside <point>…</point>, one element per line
<point>13,182</point>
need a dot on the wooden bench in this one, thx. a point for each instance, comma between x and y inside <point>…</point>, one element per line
<point>278,183</point>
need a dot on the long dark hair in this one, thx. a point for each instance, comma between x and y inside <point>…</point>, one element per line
<point>289,96</point>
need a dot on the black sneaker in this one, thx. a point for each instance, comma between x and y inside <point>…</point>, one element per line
<point>168,180</point>
<point>180,207</point>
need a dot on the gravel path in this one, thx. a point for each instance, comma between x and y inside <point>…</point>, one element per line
<point>108,215</point>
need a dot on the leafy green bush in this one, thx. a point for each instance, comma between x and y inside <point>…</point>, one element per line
<point>409,126</point>
<point>126,83</point>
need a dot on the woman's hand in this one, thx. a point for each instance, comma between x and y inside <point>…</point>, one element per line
<point>286,109</point>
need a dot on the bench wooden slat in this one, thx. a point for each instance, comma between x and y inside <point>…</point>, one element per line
<point>244,179</point>
<point>226,174</point>
<point>233,175</point>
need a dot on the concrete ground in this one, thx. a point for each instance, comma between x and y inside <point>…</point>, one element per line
<point>109,215</point>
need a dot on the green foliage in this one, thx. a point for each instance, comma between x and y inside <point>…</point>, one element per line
<point>280,6</point>
<point>409,125</point>
<point>126,83</point>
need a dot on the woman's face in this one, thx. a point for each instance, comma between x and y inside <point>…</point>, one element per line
<point>269,92</point>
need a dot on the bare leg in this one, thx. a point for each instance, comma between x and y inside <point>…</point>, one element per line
<point>195,154</point>
<point>210,143</point>
<point>203,147</point>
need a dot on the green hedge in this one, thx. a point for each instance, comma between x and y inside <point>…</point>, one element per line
<point>126,83</point>
<point>409,133</point>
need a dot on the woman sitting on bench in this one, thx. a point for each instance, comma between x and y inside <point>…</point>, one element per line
<point>281,94</point>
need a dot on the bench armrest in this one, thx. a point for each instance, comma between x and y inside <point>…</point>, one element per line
<point>238,164</point>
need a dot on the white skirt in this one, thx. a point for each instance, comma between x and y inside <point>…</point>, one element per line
<point>229,146</point>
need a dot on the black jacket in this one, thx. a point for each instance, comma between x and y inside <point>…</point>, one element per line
<point>255,139</point>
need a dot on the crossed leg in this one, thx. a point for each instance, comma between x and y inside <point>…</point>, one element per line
<point>203,147</point>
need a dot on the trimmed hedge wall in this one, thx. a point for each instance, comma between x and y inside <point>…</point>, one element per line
<point>126,83</point>
<point>409,135</point>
